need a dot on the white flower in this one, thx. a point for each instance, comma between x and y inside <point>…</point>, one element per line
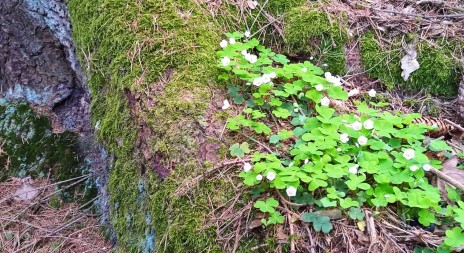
<point>271,175</point>
<point>353,92</point>
<point>296,110</point>
<point>246,167</point>
<point>362,140</point>
<point>409,154</point>
<point>414,168</point>
<point>225,61</point>
<point>372,93</point>
<point>226,105</point>
<point>247,34</point>
<point>427,167</point>
<point>259,177</point>
<point>244,52</point>
<point>273,75</point>
<point>353,169</point>
<point>319,87</point>
<point>335,80</point>
<point>386,196</point>
<point>258,81</point>
<point>344,121</point>
<point>306,161</point>
<point>304,69</point>
<point>291,191</point>
<point>255,3</point>
<point>266,78</point>
<point>325,65</point>
<point>344,138</point>
<point>325,101</point>
<point>232,41</point>
<point>223,43</point>
<point>368,124</point>
<point>339,149</point>
<point>311,58</point>
<point>356,126</point>
<point>251,58</point>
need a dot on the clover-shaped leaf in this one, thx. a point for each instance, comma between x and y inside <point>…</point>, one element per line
<point>239,150</point>
<point>356,213</point>
<point>454,237</point>
<point>322,223</point>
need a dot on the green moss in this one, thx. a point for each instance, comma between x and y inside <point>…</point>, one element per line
<point>308,30</point>
<point>438,74</point>
<point>163,51</point>
<point>29,148</point>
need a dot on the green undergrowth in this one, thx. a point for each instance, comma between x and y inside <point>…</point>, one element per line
<point>439,73</point>
<point>309,31</point>
<point>163,52</point>
<point>323,159</point>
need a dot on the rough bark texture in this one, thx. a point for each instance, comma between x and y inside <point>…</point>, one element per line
<point>38,66</point>
<point>37,62</point>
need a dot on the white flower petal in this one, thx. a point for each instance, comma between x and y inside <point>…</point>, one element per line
<point>247,34</point>
<point>259,177</point>
<point>353,169</point>
<point>353,92</point>
<point>291,191</point>
<point>356,126</point>
<point>223,43</point>
<point>414,168</point>
<point>225,105</point>
<point>225,61</point>
<point>427,167</point>
<point>362,140</point>
<point>409,154</point>
<point>232,41</point>
<point>325,101</point>
<point>246,167</point>
<point>368,124</point>
<point>372,93</point>
<point>344,138</point>
<point>319,87</point>
<point>271,175</point>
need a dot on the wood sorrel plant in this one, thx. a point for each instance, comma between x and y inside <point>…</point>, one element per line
<point>344,160</point>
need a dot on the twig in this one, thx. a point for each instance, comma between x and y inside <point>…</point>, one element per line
<point>447,178</point>
<point>288,202</point>
<point>460,128</point>
<point>186,186</point>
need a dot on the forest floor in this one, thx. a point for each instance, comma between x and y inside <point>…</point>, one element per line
<point>34,219</point>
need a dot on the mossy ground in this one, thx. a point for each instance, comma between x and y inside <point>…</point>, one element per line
<point>439,72</point>
<point>309,31</point>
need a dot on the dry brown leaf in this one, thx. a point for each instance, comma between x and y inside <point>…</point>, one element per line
<point>451,170</point>
<point>26,192</point>
<point>333,214</point>
<point>255,224</point>
<point>281,236</point>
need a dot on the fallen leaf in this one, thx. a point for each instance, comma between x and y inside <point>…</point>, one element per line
<point>281,236</point>
<point>451,170</point>
<point>255,224</point>
<point>409,62</point>
<point>26,192</point>
<point>361,225</point>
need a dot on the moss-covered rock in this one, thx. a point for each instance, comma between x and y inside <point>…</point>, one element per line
<point>29,148</point>
<point>439,72</point>
<point>309,31</point>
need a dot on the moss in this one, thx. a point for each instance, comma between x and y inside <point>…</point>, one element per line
<point>28,147</point>
<point>308,30</point>
<point>438,74</point>
<point>163,51</point>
